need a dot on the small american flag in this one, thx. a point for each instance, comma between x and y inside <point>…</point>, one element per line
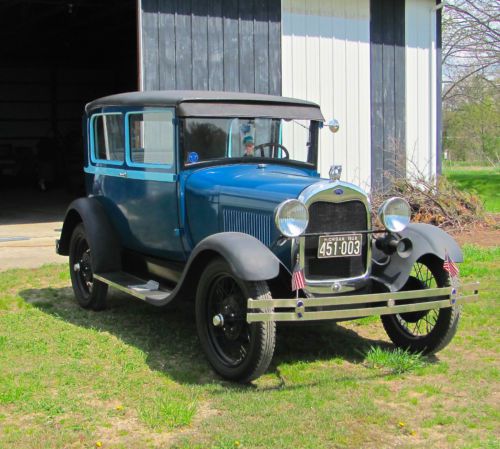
<point>450,266</point>
<point>298,280</point>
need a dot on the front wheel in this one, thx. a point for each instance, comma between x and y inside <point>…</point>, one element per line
<point>427,331</point>
<point>236,349</point>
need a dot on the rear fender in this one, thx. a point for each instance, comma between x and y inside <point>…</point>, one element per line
<point>102,238</point>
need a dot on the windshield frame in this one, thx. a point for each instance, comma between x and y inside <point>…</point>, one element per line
<point>310,164</point>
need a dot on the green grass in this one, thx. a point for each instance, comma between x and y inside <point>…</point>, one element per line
<point>396,361</point>
<point>134,376</point>
<point>484,181</point>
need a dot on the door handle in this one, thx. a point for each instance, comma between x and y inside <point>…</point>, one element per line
<point>122,174</point>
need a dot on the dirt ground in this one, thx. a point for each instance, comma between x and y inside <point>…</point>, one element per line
<point>482,236</point>
<point>30,222</point>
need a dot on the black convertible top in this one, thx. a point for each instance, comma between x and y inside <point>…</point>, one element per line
<point>214,104</point>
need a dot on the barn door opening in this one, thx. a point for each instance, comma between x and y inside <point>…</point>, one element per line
<point>55,57</point>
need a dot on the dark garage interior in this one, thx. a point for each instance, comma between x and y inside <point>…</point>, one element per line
<point>55,56</point>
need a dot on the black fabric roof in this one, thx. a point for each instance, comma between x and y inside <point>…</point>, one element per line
<point>216,103</point>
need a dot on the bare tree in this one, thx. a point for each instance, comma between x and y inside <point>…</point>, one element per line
<point>471,45</point>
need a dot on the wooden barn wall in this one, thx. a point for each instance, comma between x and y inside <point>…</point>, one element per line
<point>388,91</point>
<point>229,45</point>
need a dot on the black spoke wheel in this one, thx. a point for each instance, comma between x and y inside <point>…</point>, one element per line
<point>89,292</point>
<point>236,349</point>
<point>426,331</point>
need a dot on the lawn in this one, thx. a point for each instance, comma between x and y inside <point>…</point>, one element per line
<point>485,181</point>
<point>133,376</point>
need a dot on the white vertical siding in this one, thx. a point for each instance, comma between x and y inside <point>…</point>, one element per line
<point>326,59</point>
<point>421,88</point>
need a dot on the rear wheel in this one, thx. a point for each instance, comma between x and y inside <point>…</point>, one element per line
<point>236,349</point>
<point>426,331</point>
<point>89,292</point>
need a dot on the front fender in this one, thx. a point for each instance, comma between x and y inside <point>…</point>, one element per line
<point>248,257</point>
<point>425,239</point>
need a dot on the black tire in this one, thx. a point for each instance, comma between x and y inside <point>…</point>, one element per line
<point>237,350</point>
<point>440,325</point>
<point>89,292</point>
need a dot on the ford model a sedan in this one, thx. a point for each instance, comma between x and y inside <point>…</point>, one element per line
<point>216,196</point>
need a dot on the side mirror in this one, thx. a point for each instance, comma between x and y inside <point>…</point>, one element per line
<point>333,125</point>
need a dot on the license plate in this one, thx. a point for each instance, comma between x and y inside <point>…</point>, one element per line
<point>346,245</point>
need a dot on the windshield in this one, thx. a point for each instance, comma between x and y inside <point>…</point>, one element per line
<point>215,139</point>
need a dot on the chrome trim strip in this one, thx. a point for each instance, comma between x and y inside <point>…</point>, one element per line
<point>449,297</point>
<point>323,191</point>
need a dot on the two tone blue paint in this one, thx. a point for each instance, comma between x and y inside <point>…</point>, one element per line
<point>141,199</point>
<point>165,211</point>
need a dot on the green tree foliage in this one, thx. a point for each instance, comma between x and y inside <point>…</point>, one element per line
<point>472,125</point>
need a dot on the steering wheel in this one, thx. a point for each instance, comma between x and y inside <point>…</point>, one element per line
<point>276,146</point>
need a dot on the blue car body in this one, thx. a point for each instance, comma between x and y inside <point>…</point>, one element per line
<point>216,196</point>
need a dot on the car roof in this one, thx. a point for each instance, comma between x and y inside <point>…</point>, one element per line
<point>176,97</point>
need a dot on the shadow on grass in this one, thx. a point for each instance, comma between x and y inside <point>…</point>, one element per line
<point>168,335</point>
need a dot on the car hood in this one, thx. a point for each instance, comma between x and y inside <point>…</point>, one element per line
<point>262,182</point>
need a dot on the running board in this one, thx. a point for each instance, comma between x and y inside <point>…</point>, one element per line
<point>148,291</point>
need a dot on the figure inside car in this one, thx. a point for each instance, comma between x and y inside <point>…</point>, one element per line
<point>249,146</point>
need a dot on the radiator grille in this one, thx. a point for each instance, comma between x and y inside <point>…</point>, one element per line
<point>253,223</point>
<point>335,217</point>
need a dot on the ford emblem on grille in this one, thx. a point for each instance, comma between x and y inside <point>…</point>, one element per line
<point>339,191</point>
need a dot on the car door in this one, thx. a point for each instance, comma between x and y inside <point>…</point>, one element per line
<point>150,201</point>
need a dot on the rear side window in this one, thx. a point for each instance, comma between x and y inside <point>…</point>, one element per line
<point>108,139</point>
<point>151,135</point>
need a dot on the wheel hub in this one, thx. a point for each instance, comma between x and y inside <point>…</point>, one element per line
<point>84,267</point>
<point>231,323</point>
<point>218,320</point>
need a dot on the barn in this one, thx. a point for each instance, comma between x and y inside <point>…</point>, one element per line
<point>374,65</point>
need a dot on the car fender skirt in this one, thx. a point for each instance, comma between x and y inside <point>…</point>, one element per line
<point>426,240</point>
<point>248,257</point>
<point>102,238</point>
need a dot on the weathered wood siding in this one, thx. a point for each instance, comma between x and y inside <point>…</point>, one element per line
<point>388,151</point>
<point>231,45</point>
<point>326,59</point>
<point>422,90</point>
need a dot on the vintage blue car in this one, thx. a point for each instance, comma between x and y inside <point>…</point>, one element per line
<point>216,196</point>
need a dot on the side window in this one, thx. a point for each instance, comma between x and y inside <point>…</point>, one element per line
<point>108,137</point>
<point>151,137</point>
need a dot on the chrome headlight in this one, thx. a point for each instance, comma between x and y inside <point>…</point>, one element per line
<point>291,218</point>
<point>395,214</point>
